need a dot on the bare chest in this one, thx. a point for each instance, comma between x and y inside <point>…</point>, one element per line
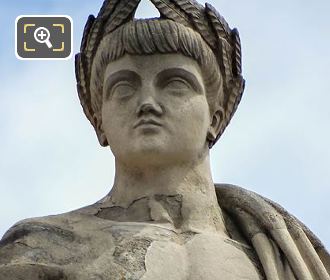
<point>149,253</point>
<point>204,256</point>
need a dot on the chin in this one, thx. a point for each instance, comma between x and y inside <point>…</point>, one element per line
<point>150,150</point>
<point>149,144</point>
<point>149,155</point>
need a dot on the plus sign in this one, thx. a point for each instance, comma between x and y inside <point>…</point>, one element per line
<point>41,34</point>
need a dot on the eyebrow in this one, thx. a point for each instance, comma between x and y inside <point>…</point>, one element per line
<point>115,77</point>
<point>187,75</point>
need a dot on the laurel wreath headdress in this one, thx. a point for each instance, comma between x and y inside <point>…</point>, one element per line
<point>223,41</point>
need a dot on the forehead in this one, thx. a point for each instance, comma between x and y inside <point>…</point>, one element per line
<point>151,65</point>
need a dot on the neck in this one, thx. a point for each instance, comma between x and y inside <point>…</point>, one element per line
<point>181,195</point>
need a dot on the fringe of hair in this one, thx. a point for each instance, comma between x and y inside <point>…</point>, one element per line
<point>151,36</point>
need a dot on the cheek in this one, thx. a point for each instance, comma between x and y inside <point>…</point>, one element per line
<point>114,115</point>
<point>194,116</point>
<point>112,122</point>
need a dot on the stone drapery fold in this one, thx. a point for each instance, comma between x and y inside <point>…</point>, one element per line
<point>286,248</point>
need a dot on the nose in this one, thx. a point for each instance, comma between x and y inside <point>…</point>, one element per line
<point>149,105</point>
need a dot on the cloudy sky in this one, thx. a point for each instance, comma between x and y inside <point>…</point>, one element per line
<point>276,145</point>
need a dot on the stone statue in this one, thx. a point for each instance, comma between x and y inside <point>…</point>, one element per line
<point>160,93</point>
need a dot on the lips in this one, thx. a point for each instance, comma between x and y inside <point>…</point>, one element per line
<point>147,122</point>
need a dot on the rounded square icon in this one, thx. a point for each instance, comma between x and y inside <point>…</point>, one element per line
<point>43,37</point>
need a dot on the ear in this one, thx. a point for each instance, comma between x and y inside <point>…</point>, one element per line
<point>215,126</point>
<point>99,131</point>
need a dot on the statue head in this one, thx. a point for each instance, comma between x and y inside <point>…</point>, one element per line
<point>185,29</point>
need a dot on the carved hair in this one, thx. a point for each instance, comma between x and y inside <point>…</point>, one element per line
<point>185,27</point>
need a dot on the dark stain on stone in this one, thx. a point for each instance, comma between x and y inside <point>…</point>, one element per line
<point>137,211</point>
<point>173,205</point>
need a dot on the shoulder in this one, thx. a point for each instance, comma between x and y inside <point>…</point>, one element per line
<point>269,228</point>
<point>56,225</point>
<point>61,226</point>
<point>23,249</point>
<point>45,245</point>
<point>235,199</point>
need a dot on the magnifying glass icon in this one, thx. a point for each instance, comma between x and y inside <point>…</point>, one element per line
<point>42,35</point>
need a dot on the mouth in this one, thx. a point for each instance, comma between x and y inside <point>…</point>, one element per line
<point>148,122</point>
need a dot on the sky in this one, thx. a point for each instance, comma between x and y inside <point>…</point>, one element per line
<point>276,145</point>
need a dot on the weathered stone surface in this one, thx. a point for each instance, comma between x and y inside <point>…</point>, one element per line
<point>160,93</point>
<point>138,211</point>
<point>83,246</point>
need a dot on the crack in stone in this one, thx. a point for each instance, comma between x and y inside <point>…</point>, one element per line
<point>173,205</point>
<point>137,211</point>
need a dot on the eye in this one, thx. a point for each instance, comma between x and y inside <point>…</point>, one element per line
<point>122,90</point>
<point>178,83</point>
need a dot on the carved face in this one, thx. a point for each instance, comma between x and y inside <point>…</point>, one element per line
<point>154,109</point>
